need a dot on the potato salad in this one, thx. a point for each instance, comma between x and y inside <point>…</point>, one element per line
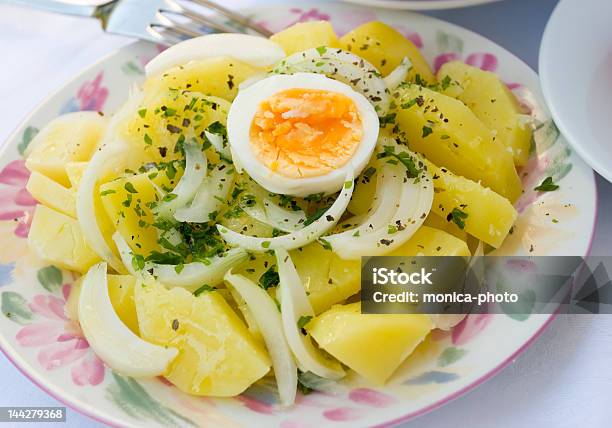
<point>217,220</point>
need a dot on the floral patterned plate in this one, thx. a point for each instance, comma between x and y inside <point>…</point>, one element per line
<point>51,350</point>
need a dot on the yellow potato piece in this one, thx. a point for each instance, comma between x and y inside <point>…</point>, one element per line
<point>306,35</point>
<point>437,222</point>
<point>166,118</point>
<point>326,277</point>
<point>52,194</point>
<point>219,77</point>
<point>217,355</point>
<point>58,239</point>
<point>385,48</point>
<point>121,292</point>
<point>69,138</point>
<point>75,171</point>
<point>492,102</point>
<point>450,135</point>
<point>127,203</point>
<point>372,345</point>
<point>428,241</point>
<point>489,216</point>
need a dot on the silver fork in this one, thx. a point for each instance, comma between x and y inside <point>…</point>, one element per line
<point>160,21</point>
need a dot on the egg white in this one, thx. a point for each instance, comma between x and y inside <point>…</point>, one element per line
<point>254,50</point>
<point>245,107</point>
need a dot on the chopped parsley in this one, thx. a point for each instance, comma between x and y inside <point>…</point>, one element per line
<point>304,319</point>
<point>130,187</point>
<point>458,217</point>
<point>427,131</point>
<point>547,185</point>
<point>203,289</point>
<point>404,157</point>
<point>269,279</point>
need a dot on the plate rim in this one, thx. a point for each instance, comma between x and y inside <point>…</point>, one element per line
<point>544,65</point>
<point>94,414</point>
<point>421,5</point>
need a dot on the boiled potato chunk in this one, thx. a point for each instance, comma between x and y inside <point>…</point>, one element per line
<point>428,241</point>
<point>217,356</point>
<point>166,118</point>
<point>306,35</point>
<point>69,138</point>
<point>385,48</point>
<point>476,209</point>
<point>75,171</point>
<point>326,277</point>
<point>121,292</point>
<point>127,203</point>
<point>58,239</point>
<point>437,222</point>
<point>493,103</point>
<point>450,135</point>
<point>217,77</point>
<point>52,194</point>
<point>372,345</point>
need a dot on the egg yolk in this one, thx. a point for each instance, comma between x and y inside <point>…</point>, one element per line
<point>300,133</point>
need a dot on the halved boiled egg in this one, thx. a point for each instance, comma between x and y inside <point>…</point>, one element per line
<point>299,134</point>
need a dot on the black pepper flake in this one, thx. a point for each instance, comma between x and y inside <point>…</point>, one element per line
<point>386,242</point>
<point>329,217</point>
<point>186,122</point>
<point>173,129</point>
<point>230,82</point>
<point>175,324</point>
<point>163,151</point>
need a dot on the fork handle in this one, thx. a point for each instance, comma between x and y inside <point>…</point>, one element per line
<point>79,8</point>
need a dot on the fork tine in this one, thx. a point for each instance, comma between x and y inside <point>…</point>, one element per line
<point>233,16</point>
<point>173,27</point>
<point>200,19</point>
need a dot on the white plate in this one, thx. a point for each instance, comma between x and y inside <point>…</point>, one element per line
<point>576,75</point>
<point>36,335</point>
<point>421,4</point>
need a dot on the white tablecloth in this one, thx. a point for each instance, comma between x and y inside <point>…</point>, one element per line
<point>563,380</point>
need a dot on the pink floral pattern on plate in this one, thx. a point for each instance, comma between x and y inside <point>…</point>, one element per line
<point>60,341</point>
<point>16,203</point>
<point>37,329</point>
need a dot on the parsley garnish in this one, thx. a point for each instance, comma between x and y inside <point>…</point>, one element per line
<point>107,192</point>
<point>304,319</point>
<point>203,289</point>
<point>269,279</point>
<point>427,131</point>
<point>142,112</point>
<point>547,185</point>
<point>458,217</point>
<point>130,187</point>
<point>138,262</point>
<point>404,158</point>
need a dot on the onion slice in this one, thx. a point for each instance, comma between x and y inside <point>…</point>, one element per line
<point>343,66</point>
<point>398,76</point>
<point>415,203</point>
<point>298,238</point>
<point>210,196</point>
<point>190,275</point>
<point>294,305</point>
<point>112,341</point>
<point>195,274</point>
<point>268,319</point>
<point>277,217</point>
<point>388,191</point>
<point>85,206</point>
<point>195,172</point>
